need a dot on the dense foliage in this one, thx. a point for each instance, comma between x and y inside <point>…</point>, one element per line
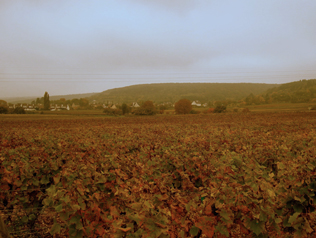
<point>3,110</point>
<point>295,92</point>
<point>183,106</point>
<point>220,109</point>
<point>46,101</point>
<point>173,92</point>
<point>125,109</point>
<point>206,175</point>
<point>3,103</point>
<point>146,109</point>
<point>112,112</point>
<point>18,110</point>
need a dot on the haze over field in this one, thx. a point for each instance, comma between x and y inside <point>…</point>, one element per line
<point>70,47</point>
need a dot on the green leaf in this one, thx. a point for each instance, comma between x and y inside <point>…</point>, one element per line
<point>24,219</point>
<point>59,208</point>
<point>307,227</point>
<point>76,219</point>
<point>32,217</point>
<point>298,208</point>
<point>66,199</point>
<point>147,204</point>
<point>194,230</point>
<point>281,165</point>
<point>225,215</point>
<point>278,220</point>
<point>65,215</point>
<point>35,182</point>
<point>51,189</point>
<point>256,227</point>
<point>44,180</point>
<point>55,229</point>
<point>263,216</point>
<point>79,234</point>
<point>294,217</point>
<point>222,229</point>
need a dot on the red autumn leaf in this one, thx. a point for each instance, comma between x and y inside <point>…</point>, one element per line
<point>207,225</point>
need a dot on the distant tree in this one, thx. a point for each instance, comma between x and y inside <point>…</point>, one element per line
<point>3,103</point>
<point>183,106</point>
<point>250,99</point>
<point>18,110</point>
<point>125,108</point>
<point>75,101</point>
<point>219,109</point>
<point>162,107</point>
<point>46,101</point>
<point>147,108</point>
<point>83,102</point>
<point>3,110</point>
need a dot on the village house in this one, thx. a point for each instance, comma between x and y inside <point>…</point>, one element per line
<point>75,106</point>
<point>57,107</point>
<point>196,103</point>
<point>135,104</point>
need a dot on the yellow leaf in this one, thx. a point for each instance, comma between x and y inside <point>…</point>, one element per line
<point>271,193</point>
<point>125,229</point>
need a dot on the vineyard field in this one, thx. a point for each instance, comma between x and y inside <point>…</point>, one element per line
<point>204,175</point>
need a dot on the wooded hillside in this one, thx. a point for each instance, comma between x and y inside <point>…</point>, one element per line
<point>294,92</point>
<point>172,92</point>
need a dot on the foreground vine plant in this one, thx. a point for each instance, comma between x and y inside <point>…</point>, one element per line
<point>229,175</point>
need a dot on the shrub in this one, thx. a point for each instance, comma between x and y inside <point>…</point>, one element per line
<point>245,110</point>
<point>194,112</point>
<point>3,110</point>
<point>18,110</point>
<point>125,108</point>
<point>220,109</point>
<point>112,112</point>
<point>210,110</point>
<point>147,108</point>
<point>183,106</point>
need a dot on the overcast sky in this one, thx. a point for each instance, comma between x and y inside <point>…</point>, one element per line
<point>80,46</point>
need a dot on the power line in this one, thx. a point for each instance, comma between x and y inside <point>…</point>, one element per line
<point>71,80</point>
<point>165,73</point>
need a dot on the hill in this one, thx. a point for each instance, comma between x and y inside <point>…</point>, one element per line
<point>172,92</point>
<point>55,97</point>
<point>295,92</point>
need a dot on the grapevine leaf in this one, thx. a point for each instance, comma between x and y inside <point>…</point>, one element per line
<point>59,208</point>
<point>194,230</point>
<point>55,229</point>
<point>294,217</point>
<point>278,220</point>
<point>256,227</point>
